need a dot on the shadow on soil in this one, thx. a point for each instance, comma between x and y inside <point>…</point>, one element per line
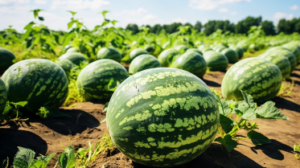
<point>211,83</point>
<point>77,123</point>
<point>273,149</point>
<point>217,157</point>
<point>10,139</point>
<point>286,104</point>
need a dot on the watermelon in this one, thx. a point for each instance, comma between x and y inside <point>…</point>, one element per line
<point>109,53</point>
<point>166,45</point>
<point>258,77</point>
<point>220,47</point>
<point>215,61</point>
<point>75,57</point>
<point>192,62</point>
<point>6,59</point>
<point>97,79</point>
<point>3,96</point>
<point>287,53</point>
<point>162,117</point>
<point>40,82</point>
<point>294,50</point>
<point>66,65</point>
<point>253,47</point>
<point>231,55</point>
<point>72,49</point>
<point>204,48</point>
<point>67,47</point>
<point>142,62</point>
<point>281,61</point>
<point>136,52</point>
<point>194,50</point>
<point>239,50</point>
<point>150,48</point>
<point>181,48</point>
<point>167,55</point>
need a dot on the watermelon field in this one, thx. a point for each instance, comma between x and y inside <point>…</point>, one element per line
<point>108,97</point>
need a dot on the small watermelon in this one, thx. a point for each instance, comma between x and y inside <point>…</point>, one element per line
<point>66,65</point>
<point>109,53</point>
<point>239,51</point>
<point>143,62</point>
<point>181,48</point>
<point>287,53</point>
<point>231,55</point>
<point>294,50</point>
<point>72,49</point>
<point>97,79</point>
<point>75,57</point>
<point>194,50</point>
<point>192,62</point>
<point>258,77</point>
<point>215,61</point>
<point>136,52</point>
<point>281,61</point>
<point>6,59</point>
<point>3,96</point>
<point>167,55</point>
<point>40,82</point>
<point>162,117</point>
<point>150,48</point>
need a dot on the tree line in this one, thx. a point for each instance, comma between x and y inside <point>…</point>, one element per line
<point>242,27</point>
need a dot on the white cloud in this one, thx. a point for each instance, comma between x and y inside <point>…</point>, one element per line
<point>136,12</point>
<point>180,20</point>
<point>40,2</point>
<point>233,13</point>
<point>211,4</point>
<point>149,17</point>
<point>223,10</point>
<point>280,15</point>
<point>79,4</point>
<point>290,17</point>
<point>5,2</point>
<point>294,7</point>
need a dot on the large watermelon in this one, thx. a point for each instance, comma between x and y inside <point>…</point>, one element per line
<point>258,77</point>
<point>287,53</point>
<point>6,59</point>
<point>109,53</point>
<point>167,55</point>
<point>97,79</point>
<point>75,57</point>
<point>136,52</point>
<point>3,96</point>
<point>231,55</point>
<point>163,117</point>
<point>192,62</point>
<point>143,62</point>
<point>281,61</point>
<point>41,82</point>
<point>215,61</point>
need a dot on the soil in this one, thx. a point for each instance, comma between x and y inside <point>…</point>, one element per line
<point>53,135</point>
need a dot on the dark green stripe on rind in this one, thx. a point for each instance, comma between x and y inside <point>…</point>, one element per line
<point>93,80</point>
<point>215,61</point>
<point>3,96</point>
<point>192,62</point>
<point>167,55</point>
<point>109,53</point>
<point>285,52</point>
<point>143,62</point>
<point>136,52</point>
<point>6,59</point>
<point>231,55</point>
<point>162,117</point>
<point>75,57</point>
<point>40,82</point>
<point>258,77</point>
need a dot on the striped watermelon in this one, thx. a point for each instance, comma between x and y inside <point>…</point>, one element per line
<point>287,53</point>
<point>6,59</point>
<point>192,62</point>
<point>143,62</point>
<point>194,50</point>
<point>163,117</point>
<point>215,61</point>
<point>3,96</point>
<point>95,79</point>
<point>109,53</point>
<point>294,49</point>
<point>239,51</point>
<point>75,57</point>
<point>258,77</point>
<point>41,82</point>
<point>167,55</point>
<point>66,65</point>
<point>150,48</point>
<point>281,61</point>
<point>231,55</point>
<point>136,52</point>
<point>181,48</point>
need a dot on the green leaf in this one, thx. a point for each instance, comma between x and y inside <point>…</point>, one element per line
<point>226,123</point>
<point>104,13</point>
<point>29,25</point>
<point>73,13</point>
<point>241,107</point>
<point>41,18</point>
<point>42,161</point>
<point>225,107</point>
<point>24,158</point>
<point>113,84</point>
<point>248,99</point>
<point>114,22</point>
<point>36,12</point>
<point>258,138</point>
<point>21,103</point>
<point>67,158</point>
<point>70,24</point>
<point>249,114</point>
<point>227,142</point>
<point>7,108</point>
<point>269,111</point>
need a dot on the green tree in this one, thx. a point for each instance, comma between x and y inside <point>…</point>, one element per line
<point>243,26</point>
<point>268,27</point>
<point>133,28</point>
<point>198,26</point>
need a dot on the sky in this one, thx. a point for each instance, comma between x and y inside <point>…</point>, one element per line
<point>17,12</point>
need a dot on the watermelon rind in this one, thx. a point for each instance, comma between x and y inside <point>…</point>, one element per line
<point>215,61</point>
<point>143,62</point>
<point>75,57</point>
<point>167,55</point>
<point>3,96</point>
<point>109,53</point>
<point>6,59</point>
<point>136,52</point>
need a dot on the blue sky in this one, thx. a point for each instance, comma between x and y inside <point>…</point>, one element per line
<point>16,12</point>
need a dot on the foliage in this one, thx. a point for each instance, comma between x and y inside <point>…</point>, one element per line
<point>297,150</point>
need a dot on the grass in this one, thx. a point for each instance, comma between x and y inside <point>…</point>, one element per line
<point>286,89</point>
